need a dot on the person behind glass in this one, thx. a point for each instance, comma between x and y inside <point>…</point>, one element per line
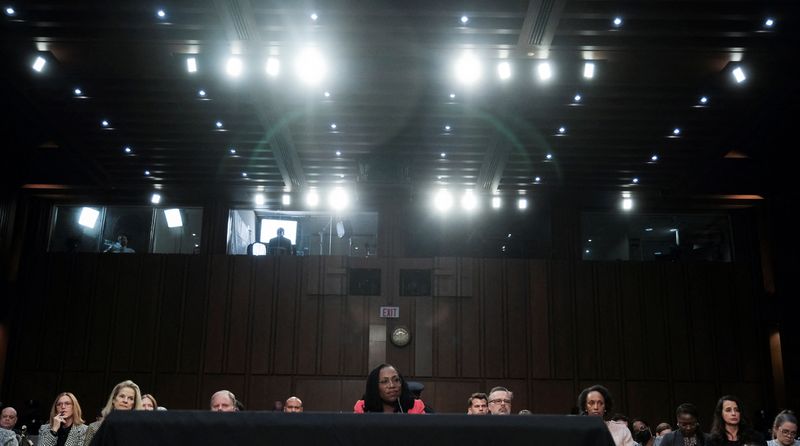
<point>689,432</point>
<point>125,396</point>
<point>279,245</point>
<point>597,401</point>
<point>387,392</point>
<point>784,430</point>
<point>66,427</point>
<point>730,426</point>
<point>120,246</point>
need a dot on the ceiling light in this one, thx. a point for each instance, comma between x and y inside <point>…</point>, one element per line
<point>191,65</point>
<point>469,201</point>
<point>447,128</point>
<point>464,19</point>
<point>704,100</point>
<point>233,150</point>
<point>78,92</point>
<point>11,12</point>
<point>738,74</point>
<point>522,204</point>
<point>327,94</point>
<point>234,67</point>
<point>161,14</point>
<point>333,126</point>
<point>452,95</point>
<point>147,173</point>
<point>88,217</point>
<point>562,130</point>
<point>769,23</point>
<point>588,70</point>
<point>218,124</point>
<point>201,93</point>
<point>577,97</point>
<point>286,199</point>
<point>338,153</point>
<point>549,156</point>
<point>443,155</point>
<point>635,181</point>
<point>648,229</point>
<point>544,70</point>
<point>39,63</point>
<point>654,158</point>
<point>244,174</point>
<point>127,149</point>
<point>260,199</point>
<point>676,131</point>
<point>443,200</point>
<point>312,199</point>
<point>627,204</point>
<point>504,70</point>
<point>310,66</point>
<point>273,66</point>
<point>155,198</point>
<point>104,123</point>
<point>173,217</point>
<point>497,202</point>
<point>338,199</point>
<point>314,16</point>
<point>537,179</point>
<point>617,21</point>
<point>468,69</point>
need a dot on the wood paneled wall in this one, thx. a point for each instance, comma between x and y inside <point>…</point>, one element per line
<point>266,328</point>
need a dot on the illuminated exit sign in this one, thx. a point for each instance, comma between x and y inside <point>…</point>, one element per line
<point>390,312</point>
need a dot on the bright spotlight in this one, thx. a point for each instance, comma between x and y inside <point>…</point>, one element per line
<point>39,63</point>
<point>443,200</point>
<point>273,66</point>
<point>88,217</point>
<point>627,204</point>
<point>468,69</point>
<point>504,70</point>
<point>191,65</point>
<point>497,202</point>
<point>738,74</point>
<point>260,199</point>
<point>312,199</point>
<point>310,66</point>
<point>544,71</point>
<point>234,67</point>
<point>522,204</point>
<point>286,199</point>
<point>469,201</point>
<point>338,199</point>
<point>174,219</point>
<point>155,198</point>
<point>588,70</point>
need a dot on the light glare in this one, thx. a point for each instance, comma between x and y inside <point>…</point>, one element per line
<point>338,199</point>
<point>468,69</point>
<point>504,70</point>
<point>174,219</point>
<point>39,64</point>
<point>88,217</point>
<point>522,204</point>
<point>739,75</point>
<point>260,199</point>
<point>469,201</point>
<point>497,202</point>
<point>273,66</point>
<point>286,199</point>
<point>544,70</point>
<point>234,67</point>
<point>310,66</point>
<point>155,198</point>
<point>588,70</point>
<point>191,65</point>
<point>627,204</point>
<point>443,200</point>
<point>312,198</point>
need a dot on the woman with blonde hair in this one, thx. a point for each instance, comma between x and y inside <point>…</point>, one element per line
<point>125,396</point>
<point>149,402</point>
<point>66,427</point>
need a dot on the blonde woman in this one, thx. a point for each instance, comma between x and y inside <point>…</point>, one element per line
<point>125,396</point>
<point>149,402</point>
<point>66,427</point>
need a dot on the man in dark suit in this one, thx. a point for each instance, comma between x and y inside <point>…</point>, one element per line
<point>279,245</point>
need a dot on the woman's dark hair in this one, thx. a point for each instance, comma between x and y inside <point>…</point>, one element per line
<point>745,433</point>
<point>595,388</point>
<point>372,397</point>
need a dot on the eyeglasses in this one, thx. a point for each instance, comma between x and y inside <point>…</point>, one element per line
<point>788,433</point>
<point>500,401</point>
<point>63,403</point>
<point>385,382</point>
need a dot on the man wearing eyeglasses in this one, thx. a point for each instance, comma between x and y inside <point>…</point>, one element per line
<point>500,401</point>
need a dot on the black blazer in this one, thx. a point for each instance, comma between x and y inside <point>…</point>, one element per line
<point>675,438</point>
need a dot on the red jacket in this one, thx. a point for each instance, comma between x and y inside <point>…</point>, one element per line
<point>419,407</point>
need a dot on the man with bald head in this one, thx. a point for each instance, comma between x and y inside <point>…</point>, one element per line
<point>8,418</point>
<point>224,401</point>
<point>293,405</point>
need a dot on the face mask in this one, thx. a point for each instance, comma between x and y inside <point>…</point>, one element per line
<point>642,437</point>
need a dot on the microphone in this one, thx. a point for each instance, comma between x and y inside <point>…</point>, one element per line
<point>400,405</point>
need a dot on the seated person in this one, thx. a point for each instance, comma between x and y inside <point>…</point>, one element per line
<point>121,245</point>
<point>279,245</point>
<point>388,392</point>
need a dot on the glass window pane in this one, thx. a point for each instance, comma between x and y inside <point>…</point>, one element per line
<point>76,229</point>
<point>177,230</point>
<point>127,222</point>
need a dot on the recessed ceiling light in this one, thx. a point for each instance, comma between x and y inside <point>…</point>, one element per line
<point>327,94</point>
<point>588,251</point>
<point>627,204</point>
<point>232,150</point>
<point>312,198</point>
<point>617,21</point>
<point>549,156</point>
<point>443,200</point>
<point>504,70</point>
<point>310,66</point>
<point>286,199</point>
<point>104,123</point>
<point>273,66</point>
<point>191,64</point>
<point>648,229</point>
<point>147,173</point>
<point>260,199</point>
<point>155,198</point>
<point>562,130</point>
<point>78,92</point>
<point>88,217</point>
<point>314,16</point>
<point>654,158</point>
<point>522,204</point>
<point>39,63</point>
<point>588,70</point>
<point>201,93</point>
<point>497,202</point>
<point>11,12</point>
<point>577,97</point>
<point>464,19</point>
<point>127,149</point>
<point>769,22</point>
<point>538,179</point>
<point>704,100</point>
<point>676,131</point>
<point>544,70</point>
<point>590,240</point>
<point>739,75</point>
<point>234,67</point>
<point>469,201</point>
<point>635,181</point>
<point>244,174</point>
<point>333,126</point>
<point>452,95</point>
<point>218,124</point>
<point>447,128</point>
<point>161,14</point>
<point>468,69</point>
<point>338,153</point>
<point>443,155</point>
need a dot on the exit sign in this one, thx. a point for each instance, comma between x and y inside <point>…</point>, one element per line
<point>390,312</point>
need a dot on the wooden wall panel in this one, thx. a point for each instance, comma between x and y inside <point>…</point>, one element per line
<point>320,394</point>
<point>494,317</point>
<point>445,352</point>
<point>217,313</point>
<point>517,334</point>
<point>180,391</point>
<point>308,338</point>
<point>355,341</point>
<point>653,308</point>
<point>551,396</point>
<point>170,314</point>
<point>285,316</point>
<point>470,326</point>
<point>541,330</point>
<point>631,323</point>
<point>677,313</point>
<point>728,327</point>
<point>85,271</point>
<point>609,336</point>
<point>701,307</point>
<point>265,390</point>
<point>262,327</point>
<point>101,311</point>
<point>751,342</point>
<point>586,323</point>
<point>331,334</point>
<point>563,322</point>
<point>148,306</point>
<point>239,318</point>
<point>194,317</point>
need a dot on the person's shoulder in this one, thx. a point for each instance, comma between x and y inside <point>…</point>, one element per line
<point>419,407</point>
<point>359,407</point>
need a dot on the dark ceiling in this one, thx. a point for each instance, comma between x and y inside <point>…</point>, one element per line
<point>390,81</point>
